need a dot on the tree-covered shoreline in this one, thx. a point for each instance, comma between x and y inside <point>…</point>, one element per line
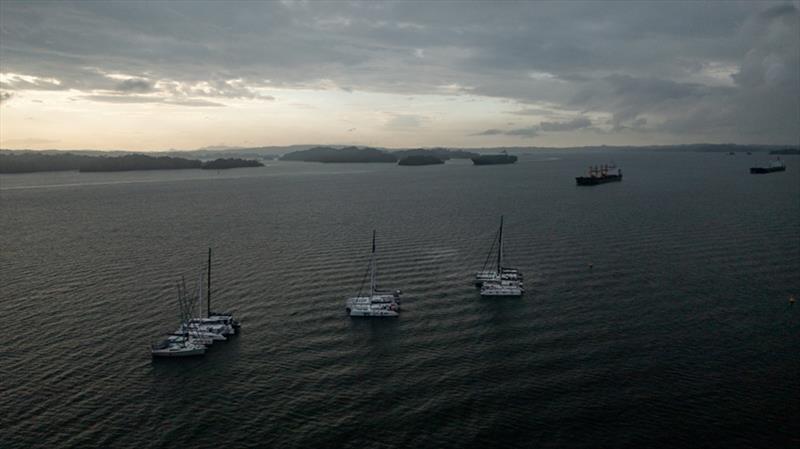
<point>30,162</point>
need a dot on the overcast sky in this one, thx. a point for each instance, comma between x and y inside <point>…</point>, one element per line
<point>130,75</point>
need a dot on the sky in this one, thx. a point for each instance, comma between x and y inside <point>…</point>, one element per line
<point>184,75</point>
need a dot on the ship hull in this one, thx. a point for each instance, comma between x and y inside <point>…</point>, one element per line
<point>494,159</point>
<point>764,170</point>
<point>595,180</point>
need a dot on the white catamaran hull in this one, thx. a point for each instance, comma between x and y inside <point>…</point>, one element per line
<point>178,352</point>
<point>177,349</point>
<point>492,291</point>
<point>372,312</point>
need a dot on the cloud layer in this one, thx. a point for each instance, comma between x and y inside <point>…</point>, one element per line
<point>661,71</point>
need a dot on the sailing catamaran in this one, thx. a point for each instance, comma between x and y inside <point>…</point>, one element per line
<point>219,318</point>
<point>500,281</point>
<point>376,303</point>
<point>186,342</point>
<point>196,332</point>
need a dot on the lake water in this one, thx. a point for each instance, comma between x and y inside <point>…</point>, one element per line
<point>681,335</point>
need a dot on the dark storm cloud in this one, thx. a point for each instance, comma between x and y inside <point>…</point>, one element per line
<point>571,125</point>
<point>531,131</point>
<point>535,130</point>
<point>134,85</point>
<point>489,132</point>
<point>706,70</point>
<point>528,132</point>
<point>784,10</point>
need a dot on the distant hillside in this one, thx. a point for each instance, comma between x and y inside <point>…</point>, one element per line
<point>712,147</point>
<point>29,161</point>
<point>420,159</point>
<point>786,151</point>
<point>136,162</point>
<point>224,152</point>
<point>439,153</point>
<point>221,164</point>
<point>347,154</point>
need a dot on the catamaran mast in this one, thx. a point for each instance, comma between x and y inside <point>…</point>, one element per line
<point>500,249</point>
<point>372,267</point>
<point>208,293</point>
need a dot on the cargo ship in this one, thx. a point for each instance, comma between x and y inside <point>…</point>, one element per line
<point>773,166</point>
<point>494,159</point>
<point>599,174</point>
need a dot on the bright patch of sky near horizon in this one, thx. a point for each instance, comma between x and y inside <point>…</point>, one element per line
<point>152,76</point>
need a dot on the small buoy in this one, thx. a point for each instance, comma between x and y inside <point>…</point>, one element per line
<point>591,265</point>
<point>791,299</point>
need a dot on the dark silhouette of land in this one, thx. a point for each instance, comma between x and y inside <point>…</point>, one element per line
<point>137,162</point>
<point>347,154</point>
<point>786,151</point>
<point>221,164</point>
<point>31,161</point>
<point>439,153</point>
<point>367,154</point>
<point>25,161</point>
<point>420,159</point>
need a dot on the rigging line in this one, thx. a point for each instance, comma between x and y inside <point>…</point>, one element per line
<point>363,280</point>
<point>491,250</point>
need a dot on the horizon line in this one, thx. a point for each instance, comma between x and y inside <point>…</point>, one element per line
<point>520,147</point>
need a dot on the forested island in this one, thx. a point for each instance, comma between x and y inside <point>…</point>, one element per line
<point>221,164</point>
<point>440,153</point>
<point>347,154</point>
<point>420,159</point>
<point>367,154</point>
<point>29,161</point>
<point>137,162</point>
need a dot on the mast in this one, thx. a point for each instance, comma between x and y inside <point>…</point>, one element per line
<point>372,268</point>
<point>500,249</point>
<point>199,302</point>
<point>208,293</point>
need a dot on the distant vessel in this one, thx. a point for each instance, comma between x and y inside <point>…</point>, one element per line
<point>776,165</point>
<point>494,159</point>
<point>500,281</point>
<point>599,175</point>
<point>376,303</point>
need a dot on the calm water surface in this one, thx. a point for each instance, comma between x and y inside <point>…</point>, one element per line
<point>680,335</point>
